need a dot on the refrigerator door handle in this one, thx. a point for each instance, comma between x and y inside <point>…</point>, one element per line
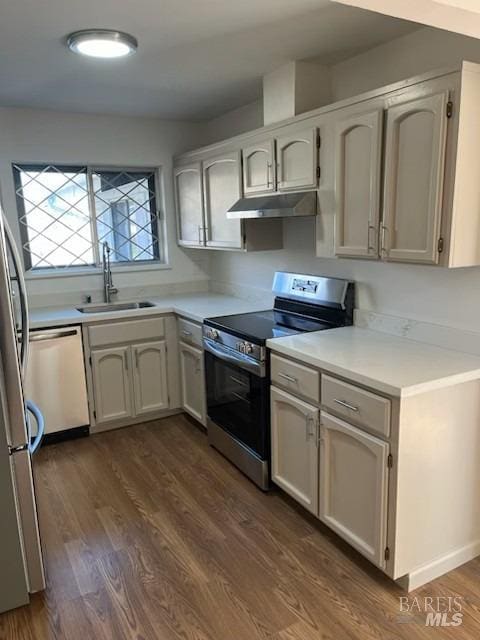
<point>33,409</point>
<point>23,296</point>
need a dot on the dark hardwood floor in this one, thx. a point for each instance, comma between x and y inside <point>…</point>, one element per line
<point>150,534</point>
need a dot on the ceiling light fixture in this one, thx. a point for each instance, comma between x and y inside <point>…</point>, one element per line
<point>102,43</point>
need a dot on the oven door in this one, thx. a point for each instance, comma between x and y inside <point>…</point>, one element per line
<point>238,396</point>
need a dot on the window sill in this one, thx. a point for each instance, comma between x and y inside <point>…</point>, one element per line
<point>76,272</point>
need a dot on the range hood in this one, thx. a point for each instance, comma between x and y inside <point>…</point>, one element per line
<point>279,205</point>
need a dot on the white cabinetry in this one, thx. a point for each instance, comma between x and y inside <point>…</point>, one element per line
<point>150,382</point>
<point>358,154</point>
<point>111,380</point>
<point>353,486</point>
<point>414,173</point>
<point>222,181</point>
<point>297,159</point>
<point>192,369</point>
<point>259,167</point>
<point>192,376</point>
<point>189,204</point>
<point>294,440</point>
<point>130,368</point>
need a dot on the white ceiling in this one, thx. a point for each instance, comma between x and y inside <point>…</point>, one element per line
<point>195,59</point>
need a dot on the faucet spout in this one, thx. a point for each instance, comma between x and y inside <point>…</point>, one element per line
<point>108,288</point>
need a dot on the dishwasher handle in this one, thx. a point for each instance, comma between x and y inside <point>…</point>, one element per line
<point>41,337</point>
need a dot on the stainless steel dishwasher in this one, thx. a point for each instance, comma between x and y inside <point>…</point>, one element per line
<point>56,379</point>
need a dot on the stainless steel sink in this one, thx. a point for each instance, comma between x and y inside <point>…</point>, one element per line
<point>115,306</point>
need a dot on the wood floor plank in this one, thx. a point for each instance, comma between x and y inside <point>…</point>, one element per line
<point>150,534</point>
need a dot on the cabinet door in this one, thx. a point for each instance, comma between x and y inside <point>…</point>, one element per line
<point>414,167</point>
<point>111,382</point>
<point>353,486</point>
<point>189,205</point>
<point>150,377</point>
<point>358,154</point>
<point>297,160</point>
<point>294,425</point>
<point>258,167</point>
<point>193,381</point>
<point>222,187</point>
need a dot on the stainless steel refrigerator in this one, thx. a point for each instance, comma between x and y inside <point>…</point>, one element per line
<point>21,563</point>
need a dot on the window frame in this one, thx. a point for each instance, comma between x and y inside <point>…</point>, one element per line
<point>159,239</point>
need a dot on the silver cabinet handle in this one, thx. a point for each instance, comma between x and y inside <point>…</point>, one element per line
<point>342,403</point>
<point>125,359</point>
<point>136,359</point>
<point>199,234</point>
<point>310,428</point>
<point>287,377</point>
<point>269,173</point>
<point>384,239</point>
<point>372,247</point>
<point>186,333</point>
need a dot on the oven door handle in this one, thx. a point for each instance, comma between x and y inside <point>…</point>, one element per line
<point>240,360</point>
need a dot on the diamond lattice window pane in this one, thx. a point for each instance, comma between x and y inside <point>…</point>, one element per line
<point>126,214</point>
<point>55,216</point>
<point>62,208</point>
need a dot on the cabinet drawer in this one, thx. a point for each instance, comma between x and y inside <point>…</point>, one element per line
<point>357,405</point>
<point>295,377</point>
<point>190,332</point>
<point>121,332</point>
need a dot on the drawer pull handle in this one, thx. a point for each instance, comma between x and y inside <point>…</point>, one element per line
<point>342,403</point>
<point>186,333</point>
<point>287,377</point>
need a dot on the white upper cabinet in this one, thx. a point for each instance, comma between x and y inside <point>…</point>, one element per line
<point>297,160</point>
<point>358,156</point>
<point>414,172</point>
<point>222,188</point>
<point>189,204</point>
<point>353,486</point>
<point>259,167</point>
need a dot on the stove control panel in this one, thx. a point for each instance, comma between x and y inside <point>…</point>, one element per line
<point>245,347</point>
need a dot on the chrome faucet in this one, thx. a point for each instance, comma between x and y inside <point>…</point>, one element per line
<point>108,288</point>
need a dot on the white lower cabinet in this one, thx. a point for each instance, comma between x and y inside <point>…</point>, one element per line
<point>111,381</point>
<point>294,426</point>
<point>150,382</point>
<point>129,381</point>
<point>353,486</point>
<point>193,381</point>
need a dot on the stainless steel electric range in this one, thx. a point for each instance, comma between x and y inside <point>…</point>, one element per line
<point>238,369</point>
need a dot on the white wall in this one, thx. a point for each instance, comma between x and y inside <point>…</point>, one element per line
<point>234,122</point>
<point>427,293</point>
<point>423,50</point>
<point>53,137</point>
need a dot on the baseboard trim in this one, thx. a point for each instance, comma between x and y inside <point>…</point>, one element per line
<point>119,424</point>
<point>439,567</point>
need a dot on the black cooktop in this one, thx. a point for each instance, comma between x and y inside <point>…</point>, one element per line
<point>258,326</point>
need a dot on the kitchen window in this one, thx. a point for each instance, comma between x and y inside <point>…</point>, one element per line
<point>66,213</point>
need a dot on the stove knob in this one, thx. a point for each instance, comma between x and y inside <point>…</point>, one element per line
<point>240,347</point>
<point>213,334</point>
<point>248,348</point>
